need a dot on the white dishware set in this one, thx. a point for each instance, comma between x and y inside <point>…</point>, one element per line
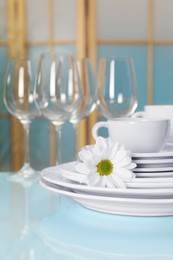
<point>149,194</point>
<point>148,134</point>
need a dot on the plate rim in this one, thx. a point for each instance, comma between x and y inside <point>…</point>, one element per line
<point>108,191</point>
<point>68,192</point>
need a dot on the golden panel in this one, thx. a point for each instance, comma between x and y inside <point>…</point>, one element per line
<point>16,30</point>
<point>86,47</point>
<point>53,42</point>
<point>91,36</point>
<point>150,51</point>
<point>82,53</point>
<point>51,47</point>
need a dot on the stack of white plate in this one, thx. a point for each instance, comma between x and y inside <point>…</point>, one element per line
<point>150,193</point>
<point>154,164</point>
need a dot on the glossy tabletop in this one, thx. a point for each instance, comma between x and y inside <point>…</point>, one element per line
<point>36,224</point>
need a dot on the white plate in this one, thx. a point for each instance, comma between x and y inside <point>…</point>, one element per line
<point>113,205</point>
<point>155,166</point>
<point>159,193</point>
<point>153,169</point>
<point>154,161</point>
<point>156,175</point>
<point>136,189</point>
<point>166,153</point>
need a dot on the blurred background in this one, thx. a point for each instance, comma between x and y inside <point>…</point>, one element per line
<point>86,28</point>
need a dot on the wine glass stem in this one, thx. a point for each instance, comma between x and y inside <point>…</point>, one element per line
<point>58,144</point>
<point>76,138</point>
<point>27,143</point>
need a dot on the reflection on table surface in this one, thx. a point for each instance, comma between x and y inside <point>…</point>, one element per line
<point>38,225</point>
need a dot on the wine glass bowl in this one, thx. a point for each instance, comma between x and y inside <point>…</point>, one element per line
<point>88,103</point>
<point>116,87</point>
<point>88,90</point>
<point>19,88</point>
<point>58,92</point>
<point>18,97</point>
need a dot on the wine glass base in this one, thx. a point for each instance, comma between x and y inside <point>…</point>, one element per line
<point>26,175</point>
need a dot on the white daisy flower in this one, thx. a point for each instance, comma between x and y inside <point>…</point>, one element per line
<point>105,164</point>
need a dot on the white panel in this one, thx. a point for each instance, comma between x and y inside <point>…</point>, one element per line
<point>3,20</point>
<point>37,20</point>
<point>163,19</point>
<point>65,19</point>
<point>122,19</point>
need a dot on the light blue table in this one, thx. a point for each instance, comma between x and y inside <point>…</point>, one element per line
<point>38,225</point>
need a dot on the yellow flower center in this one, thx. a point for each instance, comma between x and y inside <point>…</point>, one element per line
<point>105,167</point>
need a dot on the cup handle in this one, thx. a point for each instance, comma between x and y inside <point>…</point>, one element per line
<point>96,128</point>
<point>138,114</point>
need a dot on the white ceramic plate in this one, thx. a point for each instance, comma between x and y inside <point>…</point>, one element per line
<point>154,161</point>
<point>155,166</point>
<point>156,175</point>
<point>153,169</point>
<point>135,189</point>
<point>113,205</point>
<point>166,153</point>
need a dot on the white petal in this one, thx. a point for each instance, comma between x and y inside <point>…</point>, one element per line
<point>123,163</point>
<point>80,167</point>
<point>131,166</point>
<point>101,182</point>
<point>125,174</point>
<point>87,147</point>
<point>120,155</point>
<point>93,179</point>
<point>96,149</point>
<point>117,181</point>
<point>109,183</point>
<point>109,141</point>
<point>101,142</point>
<point>84,155</point>
<point>121,147</point>
<point>113,151</point>
<point>91,164</point>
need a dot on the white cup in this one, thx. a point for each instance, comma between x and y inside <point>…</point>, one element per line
<point>158,111</point>
<point>140,135</point>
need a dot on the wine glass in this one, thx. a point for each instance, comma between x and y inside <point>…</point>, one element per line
<point>116,87</point>
<point>89,96</point>
<point>58,93</point>
<point>19,101</point>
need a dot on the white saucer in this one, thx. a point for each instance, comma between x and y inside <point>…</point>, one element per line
<point>167,152</point>
<point>153,169</point>
<point>154,175</point>
<point>162,166</point>
<point>154,161</point>
<point>113,205</point>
